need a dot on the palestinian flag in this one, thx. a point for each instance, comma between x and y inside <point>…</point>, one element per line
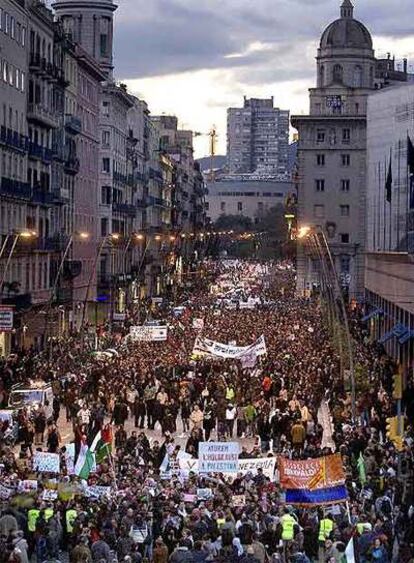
<point>85,462</point>
<point>102,444</point>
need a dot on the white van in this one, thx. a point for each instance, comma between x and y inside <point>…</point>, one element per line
<point>32,396</point>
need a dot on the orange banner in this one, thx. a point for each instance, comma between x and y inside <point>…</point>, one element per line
<point>311,474</point>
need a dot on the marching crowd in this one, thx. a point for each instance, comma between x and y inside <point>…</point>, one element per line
<point>156,401</point>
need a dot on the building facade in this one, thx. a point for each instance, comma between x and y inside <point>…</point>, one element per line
<point>257,138</point>
<point>389,271</point>
<point>250,198</point>
<point>332,152</point>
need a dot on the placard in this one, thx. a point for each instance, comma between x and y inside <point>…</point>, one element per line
<point>218,457</point>
<point>45,462</point>
<point>148,333</point>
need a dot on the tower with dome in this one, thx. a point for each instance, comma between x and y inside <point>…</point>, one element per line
<point>332,151</point>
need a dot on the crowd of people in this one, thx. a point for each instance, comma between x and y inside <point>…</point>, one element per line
<point>158,402</point>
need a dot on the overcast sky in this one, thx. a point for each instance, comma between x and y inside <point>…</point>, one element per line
<point>195,58</point>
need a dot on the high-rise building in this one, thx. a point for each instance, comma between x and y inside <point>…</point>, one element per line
<point>332,151</point>
<point>257,138</point>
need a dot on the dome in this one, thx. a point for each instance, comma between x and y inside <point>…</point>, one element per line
<point>346,31</point>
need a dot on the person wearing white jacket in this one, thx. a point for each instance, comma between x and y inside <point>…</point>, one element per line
<point>231,413</point>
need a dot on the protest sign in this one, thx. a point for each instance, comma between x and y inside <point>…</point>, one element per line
<point>96,491</point>
<point>5,493</point>
<point>189,498</point>
<point>49,494</point>
<point>148,333</point>
<point>313,481</point>
<point>266,464</point>
<point>218,457</point>
<point>198,324</point>
<point>70,458</point>
<point>45,462</point>
<point>238,500</point>
<point>27,485</point>
<point>207,347</point>
<point>204,494</point>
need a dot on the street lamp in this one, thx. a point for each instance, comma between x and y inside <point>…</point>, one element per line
<point>17,236</point>
<point>317,236</point>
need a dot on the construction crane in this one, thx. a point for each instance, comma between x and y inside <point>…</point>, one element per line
<point>213,144</point>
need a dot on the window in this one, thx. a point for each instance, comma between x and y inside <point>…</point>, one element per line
<point>23,37</point>
<point>320,159</point>
<point>344,210</point>
<point>357,77</point>
<point>239,206</point>
<point>106,195</point>
<point>346,159</point>
<point>345,185</point>
<point>103,44</point>
<point>11,75</point>
<point>105,138</point>
<point>345,263</point>
<point>105,109</point>
<point>12,27</point>
<point>338,73</point>
<point>320,185</point>
<point>319,211</point>
<point>1,18</point>
<point>5,71</point>
<point>207,206</point>
<point>17,80</point>
<point>106,166</point>
<point>260,207</point>
<point>223,206</point>
<point>320,135</point>
<point>6,22</point>
<point>22,81</point>
<point>346,135</point>
<point>344,237</point>
<point>104,227</point>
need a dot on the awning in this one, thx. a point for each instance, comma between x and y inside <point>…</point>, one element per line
<point>372,314</point>
<point>406,337</point>
<point>398,330</point>
<point>385,337</point>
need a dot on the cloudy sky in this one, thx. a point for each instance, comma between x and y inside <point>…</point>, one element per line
<point>195,58</point>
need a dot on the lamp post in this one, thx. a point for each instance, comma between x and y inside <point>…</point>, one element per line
<point>82,236</point>
<point>319,237</point>
<point>110,237</point>
<point>17,236</point>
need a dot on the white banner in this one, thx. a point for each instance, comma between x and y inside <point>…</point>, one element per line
<point>206,347</point>
<point>45,462</point>
<point>325,420</point>
<point>250,465</point>
<point>218,457</point>
<point>148,333</point>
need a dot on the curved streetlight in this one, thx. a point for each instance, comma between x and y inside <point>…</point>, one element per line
<point>17,236</point>
<point>319,236</point>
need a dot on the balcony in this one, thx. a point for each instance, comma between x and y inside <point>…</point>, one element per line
<point>12,139</point>
<point>73,124</point>
<point>35,151</point>
<point>72,166</point>
<point>15,189</point>
<point>142,203</point>
<point>125,209</point>
<point>35,62</point>
<point>42,197</point>
<point>37,113</point>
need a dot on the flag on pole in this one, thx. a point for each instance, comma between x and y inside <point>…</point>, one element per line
<point>102,444</point>
<point>388,184</point>
<point>361,469</point>
<point>85,462</point>
<point>349,551</point>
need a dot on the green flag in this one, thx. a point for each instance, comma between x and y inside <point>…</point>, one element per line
<point>361,469</point>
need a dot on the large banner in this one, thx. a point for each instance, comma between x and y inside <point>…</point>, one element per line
<point>313,481</point>
<point>188,464</point>
<point>148,333</point>
<point>218,457</point>
<point>206,347</point>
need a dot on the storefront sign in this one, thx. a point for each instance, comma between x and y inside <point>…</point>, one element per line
<point>6,318</point>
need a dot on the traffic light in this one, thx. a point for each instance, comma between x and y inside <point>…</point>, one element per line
<point>397,386</point>
<point>398,443</point>
<point>392,428</point>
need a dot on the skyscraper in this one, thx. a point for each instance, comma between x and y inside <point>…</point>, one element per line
<point>257,138</point>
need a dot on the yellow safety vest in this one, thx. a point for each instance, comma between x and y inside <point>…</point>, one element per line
<point>325,529</point>
<point>229,393</point>
<point>360,527</point>
<point>288,527</point>
<point>32,517</point>
<point>70,516</point>
<point>48,512</point>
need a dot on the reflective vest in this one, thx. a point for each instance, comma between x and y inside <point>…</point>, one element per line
<point>32,517</point>
<point>48,512</point>
<point>229,393</point>
<point>70,517</point>
<point>325,529</point>
<point>288,527</point>
<point>360,527</point>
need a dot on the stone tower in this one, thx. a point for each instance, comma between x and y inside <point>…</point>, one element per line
<point>90,23</point>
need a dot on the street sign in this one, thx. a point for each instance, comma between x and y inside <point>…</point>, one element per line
<point>6,318</point>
